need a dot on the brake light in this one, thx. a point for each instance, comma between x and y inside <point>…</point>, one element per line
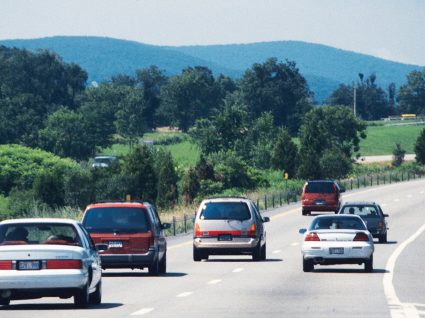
<point>198,231</point>
<point>64,264</point>
<point>381,224</point>
<point>312,237</point>
<point>151,239</point>
<point>6,265</point>
<point>252,231</point>
<point>361,237</point>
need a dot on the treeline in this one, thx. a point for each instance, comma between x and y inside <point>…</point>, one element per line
<point>242,126</point>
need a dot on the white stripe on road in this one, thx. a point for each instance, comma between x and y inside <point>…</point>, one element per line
<point>397,308</point>
<point>276,252</point>
<point>214,281</point>
<point>237,270</point>
<point>384,205</point>
<point>142,311</point>
<point>410,196</point>
<point>396,200</point>
<point>295,244</point>
<point>185,294</point>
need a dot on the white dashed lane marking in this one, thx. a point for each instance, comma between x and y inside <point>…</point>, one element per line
<point>276,252</point>
<point>295,244</point>
<point>396,200</point>
<point>214,281</point>
<point>237,270</point>
<point>410,196</point>
<point>185,294</point>
<point>142,311</point>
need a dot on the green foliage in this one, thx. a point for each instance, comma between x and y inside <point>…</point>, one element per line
<point>285,153</point>
<point>21,202</point>
<point>79,187</point>
<point>167,179</point>
<point>398,155</point>
<point>334,164</point>
<point>190,185</point>
<point>411,96</point>
<point>420,148</point>
<point>48,187</point>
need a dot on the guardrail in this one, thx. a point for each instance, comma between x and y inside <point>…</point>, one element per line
<point>276,199</point>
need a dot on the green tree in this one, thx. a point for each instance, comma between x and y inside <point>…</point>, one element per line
<point>411,96</point>
<point>334,164</point>
<point>49,188</point>
<point>278,88</point>
<point>190,185</point>
<point>420,147</point>
<point>285,153</point>
<point>167,180</point>
<point>398,155</point>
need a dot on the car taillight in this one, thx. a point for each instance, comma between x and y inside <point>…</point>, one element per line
<point>64,264</point>
<point>312,237</point>
<point>6,265</point>
<point>381,224</point>
<point>361,237</point>
<point>198,231</point>
<point>252,231</point>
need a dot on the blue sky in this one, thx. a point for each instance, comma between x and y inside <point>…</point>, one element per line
<point>391,29</point>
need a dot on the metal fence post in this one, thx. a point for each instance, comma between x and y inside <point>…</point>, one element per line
<point>265,202</point>
<point>358,183</point>
<point>273,200</point>
<point>174,225</point>
<point>280,198</point>
<point>185,223</point>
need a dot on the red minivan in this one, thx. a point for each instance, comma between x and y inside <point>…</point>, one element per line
<point>133,232</point>
<point>321,195</point>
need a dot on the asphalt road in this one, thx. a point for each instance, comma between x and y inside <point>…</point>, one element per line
<point>237,287</point>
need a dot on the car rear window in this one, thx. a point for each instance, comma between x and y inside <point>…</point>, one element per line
<point>331,223</point>
<point>39,233</point>
<point>225,211</point>
<point>116,220</point>
<point>320,187</point>
<point>364,211</point>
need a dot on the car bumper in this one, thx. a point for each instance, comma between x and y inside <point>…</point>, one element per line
<point>353,254</point>
<point>128,260</point>
<point>237,246</point>
<point>325,207</point>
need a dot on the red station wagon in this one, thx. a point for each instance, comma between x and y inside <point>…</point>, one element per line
<point>133,233</point>
<point>321,195</point>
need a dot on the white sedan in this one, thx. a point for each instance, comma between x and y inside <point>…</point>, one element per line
<point>337,239</point>
<point>48,258</point>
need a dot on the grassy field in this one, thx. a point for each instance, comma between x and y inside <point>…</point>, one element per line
<point>381,140</point>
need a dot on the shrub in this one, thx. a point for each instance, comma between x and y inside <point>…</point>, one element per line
<point>398,156</point>
<point>420,148</point>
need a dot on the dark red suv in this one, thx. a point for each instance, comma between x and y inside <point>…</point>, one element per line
<point>133,232</point>
<point>321,195</point>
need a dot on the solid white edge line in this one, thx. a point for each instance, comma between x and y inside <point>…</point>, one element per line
<point>142,311</point>
<point>398,309</point>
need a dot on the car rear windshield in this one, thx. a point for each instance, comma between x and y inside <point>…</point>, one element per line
<point>364,211</point>
<point>39,233</point>
<point>225,211</point>
<point>320,187</point>
<point>116,220</point>
<point>331,223</point>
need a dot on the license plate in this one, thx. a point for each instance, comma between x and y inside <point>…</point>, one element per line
<point>115,244</point>
<point>29,265</point>
<point>225,237</point>
<point>320,202</point>
<point>336,250</point>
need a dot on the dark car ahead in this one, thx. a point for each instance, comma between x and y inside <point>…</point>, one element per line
<point>372,215</point>
<point>133,233</point>
<point>321,195</point>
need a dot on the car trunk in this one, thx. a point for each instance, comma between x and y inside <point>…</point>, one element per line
<point>122,243</point>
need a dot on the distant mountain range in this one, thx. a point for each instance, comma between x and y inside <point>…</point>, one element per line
<point>324,67</point>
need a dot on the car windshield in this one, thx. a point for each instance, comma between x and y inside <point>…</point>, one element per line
<point>331,223</point>
<point>320,187</point>
<point>39,233</point>
<point>116,220</point>
<point>364,211</point>
<point>225,211</point>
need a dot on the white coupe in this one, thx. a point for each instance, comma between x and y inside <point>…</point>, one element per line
<point>337,239</point>
<point>48,258</point>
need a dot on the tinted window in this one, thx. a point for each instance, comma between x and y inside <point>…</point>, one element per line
<point>320,187</point>
<point>364,211</point>
<point>39,233</point>
<point>330,223</point>
<point>225,211</point>
<point>116,220</point>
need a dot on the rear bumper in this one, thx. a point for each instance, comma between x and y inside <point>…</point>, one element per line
<point>352,254</point>
<point>129,260</point>
<point>324,207</point>
<point>236,246</point>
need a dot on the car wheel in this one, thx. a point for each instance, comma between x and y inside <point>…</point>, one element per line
<point>308,265</point>
<point>96,296</point>
<point>4,301</point>
<point>197,255</point>
<point>263,252</point>
<point>304,212</point>
<point>81,297</point>
<point>256,254</point>
<point>154,268</point>
<point>368,265</point>
<point>383,238</point>
<point>163,264</point>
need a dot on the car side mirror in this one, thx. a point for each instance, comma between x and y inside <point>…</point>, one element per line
<point>302,231</point>
<point>266,219</point>
<point>386,215</point>
<point>165,226</point>
<point>101,247</point>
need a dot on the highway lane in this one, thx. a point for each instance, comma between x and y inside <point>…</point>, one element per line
<point>236,286</point>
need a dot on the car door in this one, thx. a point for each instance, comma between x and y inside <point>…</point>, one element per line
<point>93,256</point>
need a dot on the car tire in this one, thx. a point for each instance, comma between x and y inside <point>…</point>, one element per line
<point>383,238</point>
<point>154,268</point>
<point>256,254</point>
<point>263,252</point>
<point>96,296</point>
<point>81,297</point>
<point>163,264</point>
<point>4,301</point>
<point>308,265</point>
<point>304,212</point>
<point>197,255</point>
<point>368,265</point>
